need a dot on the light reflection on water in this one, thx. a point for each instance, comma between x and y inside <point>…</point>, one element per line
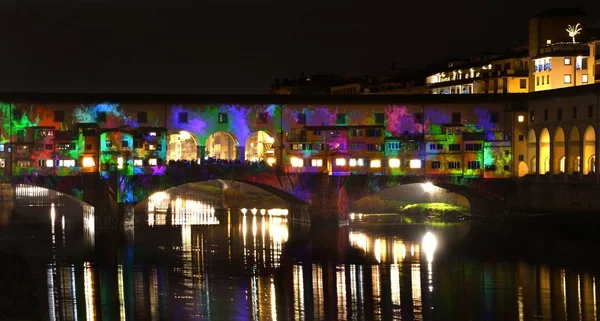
<point>233,265</point>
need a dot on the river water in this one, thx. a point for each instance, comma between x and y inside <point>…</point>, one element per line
<point>183,259</point>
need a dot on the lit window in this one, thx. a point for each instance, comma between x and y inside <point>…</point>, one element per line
<point>1,148</point>
<point>316,162</point>
<point>297,162</point>
<point>120,163</point>
<point>152,133</point>
<point>360,162</point>
<point>271,161</point>
<point>152,162</point>
<point>66,163</point>
<point>49,163</point>
<point>151,147</point>
<point>584,79</point>
<point>352,162</point>
<point>548,41</point>
<point>414,163</point>
<point>394,163</point>
<point>138,162</point>
<point>521,118</point>
<point>567,79</point>
<point>375,163</point>
<point>2,162</point>
<point>88,162</point>
<point>567,61</point>
<point>340,162</point>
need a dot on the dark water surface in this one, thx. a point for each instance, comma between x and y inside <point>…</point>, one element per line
<point>192,262</point>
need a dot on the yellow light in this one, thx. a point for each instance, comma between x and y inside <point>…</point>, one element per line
<point>152,162</point>
<point>88,162</point>
<point>138,162</point>
<point>414,163</point>
<point>120,163</point>
<point>183,135</point>
<point>271,161</point>
<point>429,245</point>
<point>49,163</point>
<point>340,162</point>
<point>352,162</point>
<point>297,162</point>
<point>521,118</point>
<point>428,187</point>
<point>375,163</point>
<point>394,163</point>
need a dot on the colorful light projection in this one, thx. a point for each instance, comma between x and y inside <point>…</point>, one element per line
<point>242,122</point>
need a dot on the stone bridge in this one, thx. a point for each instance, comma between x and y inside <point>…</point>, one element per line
<point>323,196</point>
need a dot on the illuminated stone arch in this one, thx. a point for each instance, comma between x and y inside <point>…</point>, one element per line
<point>523,169</point>
<point>574,161</point>
<point>558,148</point>
<point>261,146</point>
<point>544,157</point>
<point>589,150</point>
<point>224,145</point>
<point>532,150</point>
<point>182,146</point>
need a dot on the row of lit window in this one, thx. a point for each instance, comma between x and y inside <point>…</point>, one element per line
<point>355,162</point>
<point>566,79</point>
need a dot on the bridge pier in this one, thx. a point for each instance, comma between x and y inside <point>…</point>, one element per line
<point>329,200</point>
<point>96,192</point>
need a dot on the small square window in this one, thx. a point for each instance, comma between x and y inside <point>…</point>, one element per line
<point>494,117</point>
<point>101,117</point>
<point>301,119</point>
<point>521,158</point>
<point>263,118</point>
<point>456,118</point>
<point>584,79</point>
<point>125,143</point>
<point>521,138</point>
<point>142,117</point>
<point>567,61</point>
<point>523,84</point>
<point>88,147</point>
<point>49,147</point>
<point>59,116</point>
<point>567,79</point>
<point>182,118</point>
<point>340,119</point>
<point>379,118</point>
<point>223,119</point>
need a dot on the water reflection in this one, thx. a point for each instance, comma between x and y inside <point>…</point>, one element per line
<point>246,265</point>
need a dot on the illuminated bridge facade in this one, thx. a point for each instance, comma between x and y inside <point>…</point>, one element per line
<point>127,137</point>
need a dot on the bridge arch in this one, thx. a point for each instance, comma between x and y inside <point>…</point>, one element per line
<point>418,193</point>
<point>589,150</point>
<point>284,195</point>
<point>558,148</point>
<point>532,150</point>
<point>574,161</point>
<point>29,190</point>
<point>260,146</point>
<point>544,156</point>
<point>223,145</point>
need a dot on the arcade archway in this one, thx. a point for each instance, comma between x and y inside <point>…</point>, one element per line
<point>532,150</point>
<point>182,146</point>
<point>260,146</point>
<point>222,145</point>
<point>589,150</point>
<point>544,157</point>
<point>574,160</point>
<point>558,146</point>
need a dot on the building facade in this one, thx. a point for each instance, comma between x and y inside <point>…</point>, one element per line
<point>395,135</point>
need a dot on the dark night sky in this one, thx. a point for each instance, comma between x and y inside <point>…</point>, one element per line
<point>238,46</point>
